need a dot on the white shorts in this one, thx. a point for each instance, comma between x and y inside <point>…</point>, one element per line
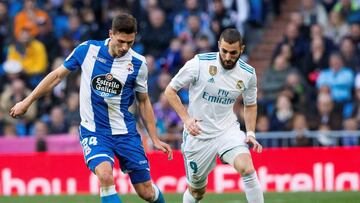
<point>200,154</point>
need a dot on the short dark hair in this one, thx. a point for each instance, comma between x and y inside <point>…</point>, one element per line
<point>124,23</point>
<point>231,35</point>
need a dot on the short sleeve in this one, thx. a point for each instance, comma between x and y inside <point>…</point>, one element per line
<point>250,93</point>
<point>77,56</point>
<point>141,79</point>
<point>189,73</point>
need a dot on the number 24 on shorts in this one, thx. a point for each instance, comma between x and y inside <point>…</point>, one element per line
<point>86,143</point>
<point>89,141</point>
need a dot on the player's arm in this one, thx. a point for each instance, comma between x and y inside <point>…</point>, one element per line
<point>45,86</point>
<point>147,114</point>
<point>187,74</point>
<point>175,102</point>
<point>250,113</point>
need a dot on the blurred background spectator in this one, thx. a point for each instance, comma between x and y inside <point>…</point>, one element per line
<point>155,43</point>
<point>337,79</point>
<point>30,17</point>
<point>168,123</point>
<point>31,54</point>
<point>40,132</point>
<point>275,77</point>
<point>13,93</point>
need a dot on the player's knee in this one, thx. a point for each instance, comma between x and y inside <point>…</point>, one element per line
<point>147,195</point>
<point>105,177</point>
<point>246,170</point>
<point>198,194</point>
<point>104,173</point>
<point>244,167</point>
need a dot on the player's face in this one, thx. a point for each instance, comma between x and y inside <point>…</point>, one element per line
<point>229,53</point>
<point>120,43</point>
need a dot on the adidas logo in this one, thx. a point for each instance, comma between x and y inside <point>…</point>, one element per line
<point>211,80</point>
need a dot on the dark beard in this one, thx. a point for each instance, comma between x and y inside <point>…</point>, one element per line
<point>227,67</point>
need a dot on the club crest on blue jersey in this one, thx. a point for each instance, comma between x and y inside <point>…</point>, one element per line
<point>106,85</point>
<point>130,68</point>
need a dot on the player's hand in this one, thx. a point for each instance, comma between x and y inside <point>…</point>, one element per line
<point>165,148</point>
<point>19,109</point>
<point>256,145</point>
<point>192,126</point>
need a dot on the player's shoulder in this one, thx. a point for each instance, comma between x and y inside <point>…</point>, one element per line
<point>91,42</point>
<point>209,56</point>
<point>137,56</point>
<point>245,67</point>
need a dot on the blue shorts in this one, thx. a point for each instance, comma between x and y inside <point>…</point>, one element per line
<point>98,148</point>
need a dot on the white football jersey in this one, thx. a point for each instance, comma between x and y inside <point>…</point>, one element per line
<point>213,91</point>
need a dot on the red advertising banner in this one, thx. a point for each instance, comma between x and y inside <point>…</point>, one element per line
<point>283,169</point>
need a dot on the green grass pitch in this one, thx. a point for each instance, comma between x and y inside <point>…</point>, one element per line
<point>295,197</point>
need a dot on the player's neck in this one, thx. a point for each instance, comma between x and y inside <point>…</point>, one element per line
<point>113,54</point>
<point>110,53</point>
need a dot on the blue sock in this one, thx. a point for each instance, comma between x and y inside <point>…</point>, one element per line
<point>109,195</point>
<point>159,198</point>
<point>111,199</point>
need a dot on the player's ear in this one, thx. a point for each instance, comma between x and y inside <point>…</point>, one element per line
<point>242,48</point>
<point>219,45</point>
<point>110,33</point>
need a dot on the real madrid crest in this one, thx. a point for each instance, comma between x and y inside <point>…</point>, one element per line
<point>240,85</point>
<point>212,70</point>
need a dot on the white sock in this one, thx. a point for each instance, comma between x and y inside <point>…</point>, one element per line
<point>188,198</point>
<point>156,189</point>
<point>253,190</point>
<point>107,191</point>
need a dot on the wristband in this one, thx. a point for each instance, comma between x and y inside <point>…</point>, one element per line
<point>250,133</point>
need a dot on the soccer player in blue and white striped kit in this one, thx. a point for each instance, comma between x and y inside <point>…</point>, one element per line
<point>112,74</point>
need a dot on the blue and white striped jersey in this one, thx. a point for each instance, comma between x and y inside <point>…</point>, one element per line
<point>213,91</point>
<point>108,86</point>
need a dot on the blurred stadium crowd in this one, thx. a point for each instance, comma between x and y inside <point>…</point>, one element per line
<point>312,82</point>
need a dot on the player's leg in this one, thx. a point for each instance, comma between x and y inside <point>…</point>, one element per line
<point>199,158</point>
<point>99,159</point>
<point>235,152</point>
<point>133,160</point>
<point>149,192</point>
<point>244,165</point>
<point>108,193</point>
<point>193,195</point>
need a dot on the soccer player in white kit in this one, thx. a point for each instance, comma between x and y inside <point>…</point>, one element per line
<point>215,81</point>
